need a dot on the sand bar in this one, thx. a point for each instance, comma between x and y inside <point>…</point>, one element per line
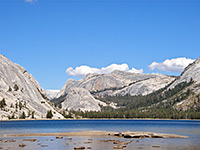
<point>127,134</point>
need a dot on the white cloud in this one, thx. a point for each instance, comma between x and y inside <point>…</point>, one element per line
<point>30,1</point>
<point>172,65</point>
<point>81,71</point>
<point>133,70</point>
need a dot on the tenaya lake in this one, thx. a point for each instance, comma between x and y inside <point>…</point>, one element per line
<point>189,128</point>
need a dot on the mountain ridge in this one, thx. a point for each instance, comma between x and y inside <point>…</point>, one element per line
<point>112,84</point>
<point>119,93</point>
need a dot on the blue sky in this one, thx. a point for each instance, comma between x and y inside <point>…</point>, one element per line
<point>47,36</point>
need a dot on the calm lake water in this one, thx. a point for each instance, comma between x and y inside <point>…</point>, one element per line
<point>189,128</point>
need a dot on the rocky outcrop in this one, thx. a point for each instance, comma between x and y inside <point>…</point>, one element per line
<point>80,99</point>
<point>22,93</point>
<point>129,134</point>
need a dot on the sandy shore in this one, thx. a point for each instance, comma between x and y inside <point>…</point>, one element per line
<point>127,134</point>
<point>81,133</point>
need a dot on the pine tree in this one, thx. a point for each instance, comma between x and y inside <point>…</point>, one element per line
<point>32,115</point>
<point>20,105</point>
<point>2,103</point>
<point>49,114</point>
<point>16,88</point>
<point>9,89</point>
<point>23,116</point>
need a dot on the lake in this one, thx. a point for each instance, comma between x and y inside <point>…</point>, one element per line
<point>189,128</point>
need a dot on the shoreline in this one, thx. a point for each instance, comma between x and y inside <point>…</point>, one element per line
<point>99,119</point>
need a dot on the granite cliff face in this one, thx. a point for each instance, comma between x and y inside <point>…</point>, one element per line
<point>116,79</point>
<point>117,83</point>
<point>141,87</point>
<point>22,93</point>
<point>80,99</point>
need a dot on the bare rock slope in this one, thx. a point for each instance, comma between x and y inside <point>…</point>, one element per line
<point>80,99</point>
<point>21,93</point>
<point>118,83</point>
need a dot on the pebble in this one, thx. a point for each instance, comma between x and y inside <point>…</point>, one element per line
<point>87,142</point>
<point>118,147</point>
<point>22,145</point>
<point>79,147</point>
<point>156,146</point>
<point>11,140</point>
<point>44,145</point>
<point>31,140</point>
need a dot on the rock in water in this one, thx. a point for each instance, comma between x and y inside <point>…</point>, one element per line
<point>79,147</point>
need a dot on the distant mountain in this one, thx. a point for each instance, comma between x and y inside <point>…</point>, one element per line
<point>20,94</point>
<point>179,99</point>
<point>142,95</point>
<point>51,94</point>
<point>117,83</point>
